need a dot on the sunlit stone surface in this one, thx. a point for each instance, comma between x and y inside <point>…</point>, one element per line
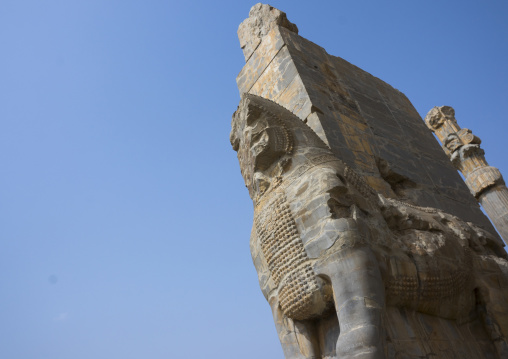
<point>366,241</point>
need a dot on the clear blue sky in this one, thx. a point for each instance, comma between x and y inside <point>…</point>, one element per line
<point>124,221</point>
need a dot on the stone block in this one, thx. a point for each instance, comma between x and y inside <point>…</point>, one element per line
<point>259,60</point>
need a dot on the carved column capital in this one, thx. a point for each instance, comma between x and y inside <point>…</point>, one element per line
<point>454,141</point>
<point>463,148</point>
<point>441,121</point>
<point>438,116</point>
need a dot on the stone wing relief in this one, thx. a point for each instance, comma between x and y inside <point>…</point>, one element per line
<point>333,256</point>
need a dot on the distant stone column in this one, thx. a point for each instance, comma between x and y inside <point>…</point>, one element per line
<point>463,148</point>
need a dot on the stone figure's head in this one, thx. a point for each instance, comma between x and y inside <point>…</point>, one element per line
<point>265,141</point>
<point>260,140</point>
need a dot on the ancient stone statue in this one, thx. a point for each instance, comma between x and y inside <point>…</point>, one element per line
<point>339,262</point>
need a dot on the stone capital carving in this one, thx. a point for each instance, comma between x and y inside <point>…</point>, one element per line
<point>485,182</point>
<point>438,116</point>
<point>463,149</point>
<point>456,140</point>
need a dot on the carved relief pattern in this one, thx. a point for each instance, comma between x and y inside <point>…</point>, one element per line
<point>441,286</point>
<point>432,287</point>
<point>359,183</point>
<point>283,250</point>
<point>405,287</point>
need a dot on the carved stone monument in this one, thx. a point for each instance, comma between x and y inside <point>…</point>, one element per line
<point>366,241</point>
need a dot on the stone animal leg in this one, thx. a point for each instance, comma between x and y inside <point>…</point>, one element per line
<point>298,338</point>
<point>358,292</point>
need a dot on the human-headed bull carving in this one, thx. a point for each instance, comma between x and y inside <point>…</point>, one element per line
<point>332,254</point>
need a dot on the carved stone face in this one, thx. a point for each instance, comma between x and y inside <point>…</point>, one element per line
<point>260,141</point>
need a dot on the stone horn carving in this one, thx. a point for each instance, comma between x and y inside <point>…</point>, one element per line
<point>332,254</point>
<point>463,148</point>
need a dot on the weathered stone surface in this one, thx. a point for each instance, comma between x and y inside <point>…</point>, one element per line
<point>262,18</point>
<point>325,244</point>
<point>362,119</point>
<point>366,241</point>
<point>463,148</point>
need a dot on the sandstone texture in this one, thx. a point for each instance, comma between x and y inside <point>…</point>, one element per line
<point>366,241</point>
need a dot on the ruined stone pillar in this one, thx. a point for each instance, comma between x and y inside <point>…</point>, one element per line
<point>463,148</point>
